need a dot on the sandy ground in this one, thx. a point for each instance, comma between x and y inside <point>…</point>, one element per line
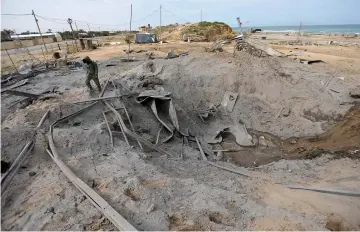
<point>188,194</point>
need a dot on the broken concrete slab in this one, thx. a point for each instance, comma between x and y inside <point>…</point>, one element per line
<point>242,137</point>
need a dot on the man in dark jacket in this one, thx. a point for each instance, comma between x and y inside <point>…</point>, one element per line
<point>91,73</point>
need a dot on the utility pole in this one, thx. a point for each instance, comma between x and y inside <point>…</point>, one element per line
<point>240,24</point>
<point>37,24</point>
<point>12,61</point>
<point>130,16</point>
<point>160,22</point>
<point>70,22</point>
<point>130,30</point>
<point>88,27</point>
<point>77,30</point>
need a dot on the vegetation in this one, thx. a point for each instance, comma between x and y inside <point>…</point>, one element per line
<point>168,28</point>
<point>210,30</point>
<point>68,34</point>
<point>6,33</point>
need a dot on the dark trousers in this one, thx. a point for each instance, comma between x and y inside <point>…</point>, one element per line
<point>95,79</point>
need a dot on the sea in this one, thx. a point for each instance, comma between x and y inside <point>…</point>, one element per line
<point>316,29</point>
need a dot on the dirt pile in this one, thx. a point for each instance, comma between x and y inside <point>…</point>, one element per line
<point>196,32</point>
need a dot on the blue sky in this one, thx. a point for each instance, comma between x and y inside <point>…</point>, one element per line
<point>115,14</point>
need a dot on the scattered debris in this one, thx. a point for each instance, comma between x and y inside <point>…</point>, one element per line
<point>162,102</point>
<point>32,173</point>
<point>239,131</point>
<point>171,54</point>
<point>17,84</point>
<point>229,101</point>
<point>330,191</point>
<point>150,209</point>
<point>217,45</point>
<point>23,94</point>
<point>263,47</point>
<point>95,199</point>
<point>303,61</point>
<point>355,93</point>
<point>335,91</point>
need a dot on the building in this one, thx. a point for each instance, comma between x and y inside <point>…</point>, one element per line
<point>48,37</point>
<point>18,41</point>
<point>145,28</point>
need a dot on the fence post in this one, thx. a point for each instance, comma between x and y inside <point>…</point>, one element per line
<point>67,48</point>
<point>43,54</point>
<point>12,61</point>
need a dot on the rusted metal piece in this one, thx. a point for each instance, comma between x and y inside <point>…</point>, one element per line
<point>133,134</point>
<point>108,126</point>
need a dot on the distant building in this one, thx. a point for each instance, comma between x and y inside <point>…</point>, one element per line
<point>19,41</point>
<point>145,28</point>
<point>49,37</point>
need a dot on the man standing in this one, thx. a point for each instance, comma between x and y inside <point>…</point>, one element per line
<point>91,73</point>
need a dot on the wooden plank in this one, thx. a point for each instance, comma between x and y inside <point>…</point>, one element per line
<point>43,119</point>
<point>16,85</point>
<point>108,126</point>
<point>9,175</point>
<point>96,99</point>
<point>330,191</point>
<point>23,94</point>
<point>131,125</point>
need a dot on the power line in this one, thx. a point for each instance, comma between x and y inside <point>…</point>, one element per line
<point>51,20</point>
<point>55,20</point>
<point>16,14</point>
<point>175,15</point>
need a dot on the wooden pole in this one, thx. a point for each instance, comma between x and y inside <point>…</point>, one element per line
<point>12,61</point>
<point>160,24</point>
<point>37,24</point>
<point>77,30</point>
<point>67,47</point>
<point>43,54</point>
<point>130,30</point>
<point>70,23</point>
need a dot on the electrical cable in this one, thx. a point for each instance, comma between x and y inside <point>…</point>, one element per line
<point>64,21</point>
<point>17,14</point>
<point>175,15</point>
